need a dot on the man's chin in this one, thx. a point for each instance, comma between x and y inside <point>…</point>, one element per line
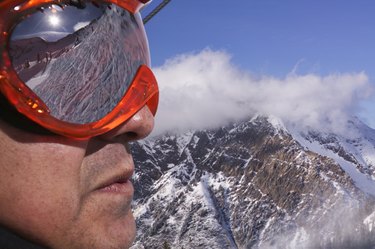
<point>115,233</point>
<point>124,233</point>
<point>120,234</point>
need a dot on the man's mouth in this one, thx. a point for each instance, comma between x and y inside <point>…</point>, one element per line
<point>119,184</point>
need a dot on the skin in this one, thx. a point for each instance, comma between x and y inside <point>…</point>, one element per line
<point>51,186</point>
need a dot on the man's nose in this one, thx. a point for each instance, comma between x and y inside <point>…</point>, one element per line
<point>137,127</point>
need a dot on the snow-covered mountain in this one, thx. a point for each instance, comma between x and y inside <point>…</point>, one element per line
<point>256,184</point>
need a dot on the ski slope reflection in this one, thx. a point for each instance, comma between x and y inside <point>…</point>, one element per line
<point>97,62</point>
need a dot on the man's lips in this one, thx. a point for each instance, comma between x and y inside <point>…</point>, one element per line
<point>120,184</point>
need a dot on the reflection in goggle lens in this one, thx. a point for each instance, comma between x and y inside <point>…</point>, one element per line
<point>79,59</point>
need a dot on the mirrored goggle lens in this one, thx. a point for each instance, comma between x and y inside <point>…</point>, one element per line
<point>79,58</point>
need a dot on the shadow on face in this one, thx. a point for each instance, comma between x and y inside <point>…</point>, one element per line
<point>11,116</point>
<point>8,240</point>
<point>23,130</point>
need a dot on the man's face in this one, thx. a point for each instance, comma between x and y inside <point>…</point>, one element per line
<point>66,193</point>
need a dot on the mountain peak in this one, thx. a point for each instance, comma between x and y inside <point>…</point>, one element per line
<point>253,184</point>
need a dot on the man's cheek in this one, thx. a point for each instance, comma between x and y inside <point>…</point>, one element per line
<point>36,217</point>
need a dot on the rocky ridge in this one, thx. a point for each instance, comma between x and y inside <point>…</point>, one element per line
<point>254,184</point>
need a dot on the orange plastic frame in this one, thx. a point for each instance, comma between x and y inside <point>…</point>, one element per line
<point>143,90</point>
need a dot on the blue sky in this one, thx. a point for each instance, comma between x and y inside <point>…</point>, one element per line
<point>272,37</point>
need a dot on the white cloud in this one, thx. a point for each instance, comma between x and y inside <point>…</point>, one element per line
<point>207,90</point>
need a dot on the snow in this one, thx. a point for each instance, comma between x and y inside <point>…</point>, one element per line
<point>216,181</point>
<point>363,182</point>
<point>264,230</point>
<point>183,141</point>
<point>370,222</point>
<point>339,189</point>
<point>41,76</point>
<point>247,161</point>
<point>196,195</point>
<point>277,123</point>
<point>140,210</point>
<point>195,139</point>
<point>148,145</point>
<point>166,186</point>
<point>301,236</point>
<point>170,166</point>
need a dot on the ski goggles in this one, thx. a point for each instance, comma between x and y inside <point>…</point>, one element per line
<point>78,68</point>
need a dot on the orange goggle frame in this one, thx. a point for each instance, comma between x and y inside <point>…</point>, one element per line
<point>142,91</point>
